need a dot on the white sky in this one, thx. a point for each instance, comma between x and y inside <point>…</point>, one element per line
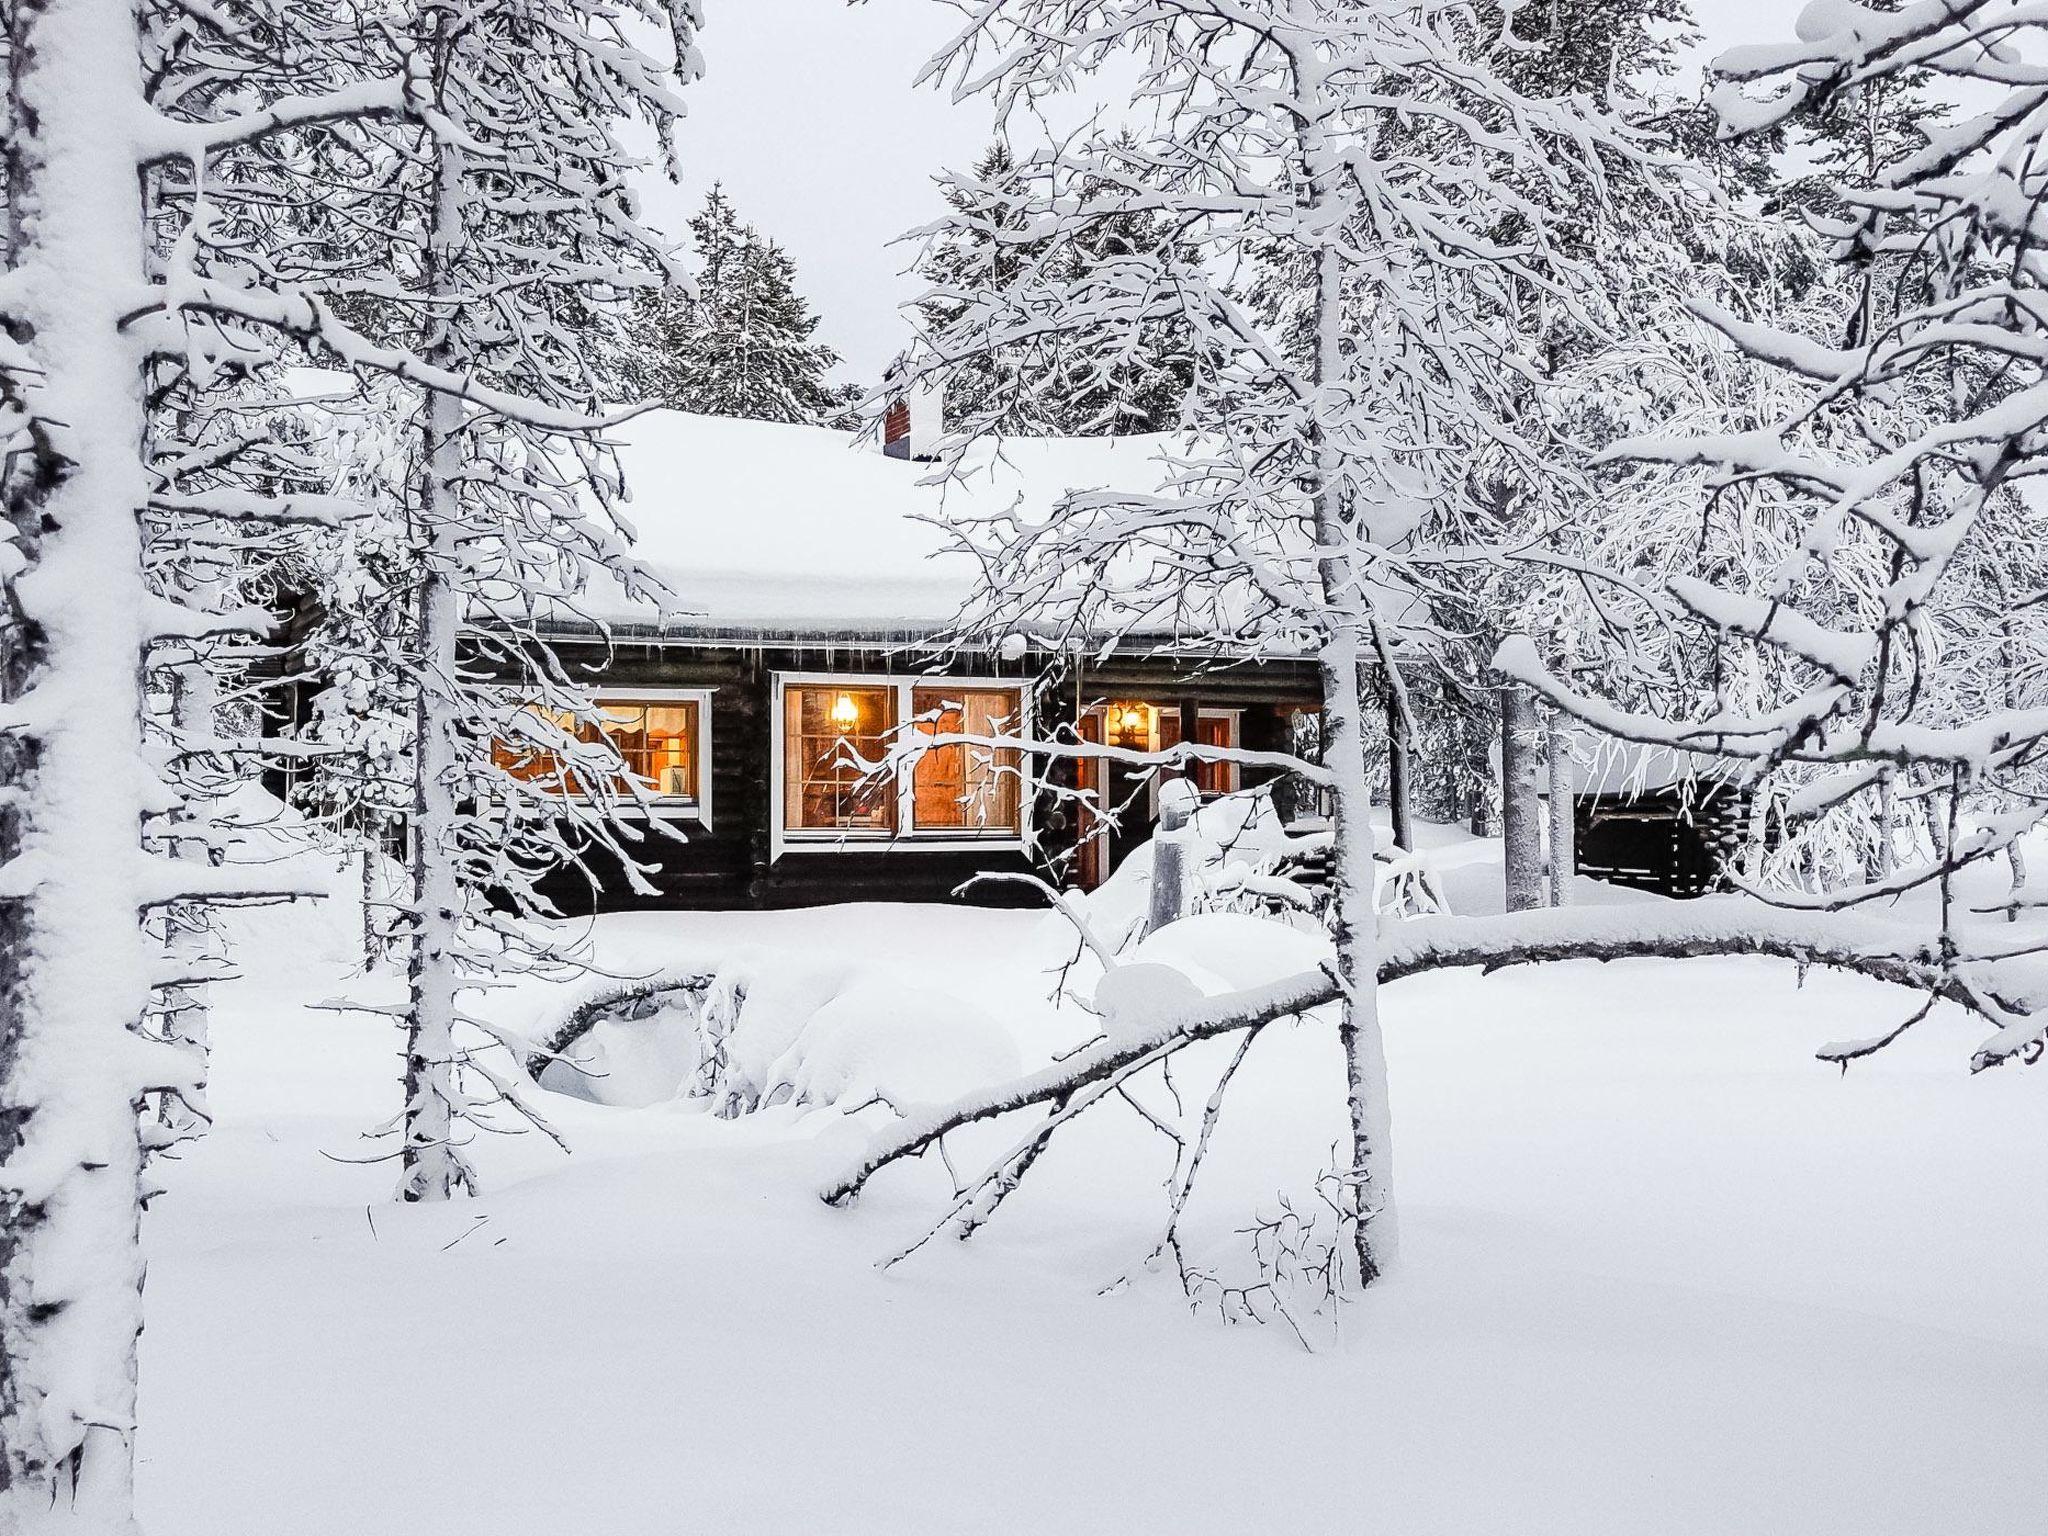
<point>808,114</point>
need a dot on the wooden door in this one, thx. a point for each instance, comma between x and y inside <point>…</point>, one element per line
<point>1092,849</point>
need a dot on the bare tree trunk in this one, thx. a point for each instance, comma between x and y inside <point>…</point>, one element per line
<point>1883,857</point>
<point>373,948</point>
<point>1369,1181</point>
<point>1400,779</point>
<point>181,1012</point>
<point>1521,809</point>
<point>1476,731</point>
<point>432,1167</point>
<point>74,962</point>
<point>1564,851</point>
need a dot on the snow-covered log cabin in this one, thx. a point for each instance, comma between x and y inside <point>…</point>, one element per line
<point>817,584</point>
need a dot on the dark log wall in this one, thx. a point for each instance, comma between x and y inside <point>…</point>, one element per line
<point>1658,840</point>
<point>729,865</point>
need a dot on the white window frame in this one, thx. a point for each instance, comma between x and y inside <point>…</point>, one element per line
<point>905,838</point>
<point>670,806</point>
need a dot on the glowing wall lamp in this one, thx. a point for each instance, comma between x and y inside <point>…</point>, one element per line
<point>1131,723</point>
<point>845,713</point>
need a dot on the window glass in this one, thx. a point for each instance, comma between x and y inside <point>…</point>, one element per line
<point>1215,728</point>
<point>832,735</point>
<point>963,787</point>
<point>657,740</point>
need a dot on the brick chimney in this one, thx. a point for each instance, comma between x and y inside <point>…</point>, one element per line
<point>915,419</point>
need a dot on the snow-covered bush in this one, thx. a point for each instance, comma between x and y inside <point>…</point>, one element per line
<point>1246,859</point>
<point>762,1031</point>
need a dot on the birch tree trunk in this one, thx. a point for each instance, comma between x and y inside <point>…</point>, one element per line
<point>1521,809</point>
<point>1353,920</point>
<point>1564,851</point>
<point>74,977</point>
<point>431,1166</point>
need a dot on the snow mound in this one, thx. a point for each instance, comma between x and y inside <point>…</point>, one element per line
<point>762,1031</point>
<point>1230,951</point>
<point>629,1063</point>
<point>1232,838</point>
<point>1139,996</point>
<point>905,1045</point>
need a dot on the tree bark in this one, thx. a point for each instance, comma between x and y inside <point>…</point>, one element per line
<point>431,1166</point>
<point>1521,807</point>
<point>1368,1183</point>
<point>1400,779</point>
<point>74,961</point>
<point>1564,852</point>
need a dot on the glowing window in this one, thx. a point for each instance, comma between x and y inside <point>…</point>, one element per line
<point>966,787</point>
<point>661,743</point>
<point>833,736</point>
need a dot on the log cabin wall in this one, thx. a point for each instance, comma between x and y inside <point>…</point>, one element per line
<point>732,864</point>
<point>1661,840</point>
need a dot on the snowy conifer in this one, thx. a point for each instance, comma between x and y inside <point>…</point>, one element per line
<point>1041,385</point>
<point>740,340</point>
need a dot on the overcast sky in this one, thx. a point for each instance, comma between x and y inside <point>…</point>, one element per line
<point>808,114</point>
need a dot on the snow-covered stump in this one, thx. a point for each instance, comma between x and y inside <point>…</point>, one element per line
<point>1521,805</point>
<point>1168,900</point>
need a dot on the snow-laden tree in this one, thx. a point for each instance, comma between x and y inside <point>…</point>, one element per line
<point>1043,385</point>
<point>1194,558</point>
<point>152,154</point>
<point>522,219</point>
<point>738,339</point>
<point>1906,462</point>
<point>1371,155</point>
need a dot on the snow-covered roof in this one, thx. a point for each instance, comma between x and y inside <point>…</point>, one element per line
<point>766,530</point>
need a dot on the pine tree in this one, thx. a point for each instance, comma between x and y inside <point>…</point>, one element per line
<point>1052,383</point>
<point>740,341</point>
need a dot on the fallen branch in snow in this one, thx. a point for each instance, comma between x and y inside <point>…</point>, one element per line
<point>608,997</point>
<point>1730,926</point>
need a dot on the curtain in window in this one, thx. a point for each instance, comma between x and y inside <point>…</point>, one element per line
<point>828,732</point>
<point>963,787</point>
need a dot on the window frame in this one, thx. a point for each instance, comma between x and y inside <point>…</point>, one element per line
<point>906,837</point>
<point>672,806</point>
<point>1234,714</point>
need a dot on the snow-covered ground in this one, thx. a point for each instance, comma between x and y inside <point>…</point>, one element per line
<point>1663,1272</point>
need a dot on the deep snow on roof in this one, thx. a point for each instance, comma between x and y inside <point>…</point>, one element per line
<point>766,529</point>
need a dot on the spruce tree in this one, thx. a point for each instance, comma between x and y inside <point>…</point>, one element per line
<point>742,343</point>
<point>1040,384</point>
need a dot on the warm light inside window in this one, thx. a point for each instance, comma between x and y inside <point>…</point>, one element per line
<point>831,738</point>
<point>655,739</point>
<point>658,742</point>
<point>1216,728</point>
<point>1131,724</point>
<point>966,786</point>
<point>836,735</point>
